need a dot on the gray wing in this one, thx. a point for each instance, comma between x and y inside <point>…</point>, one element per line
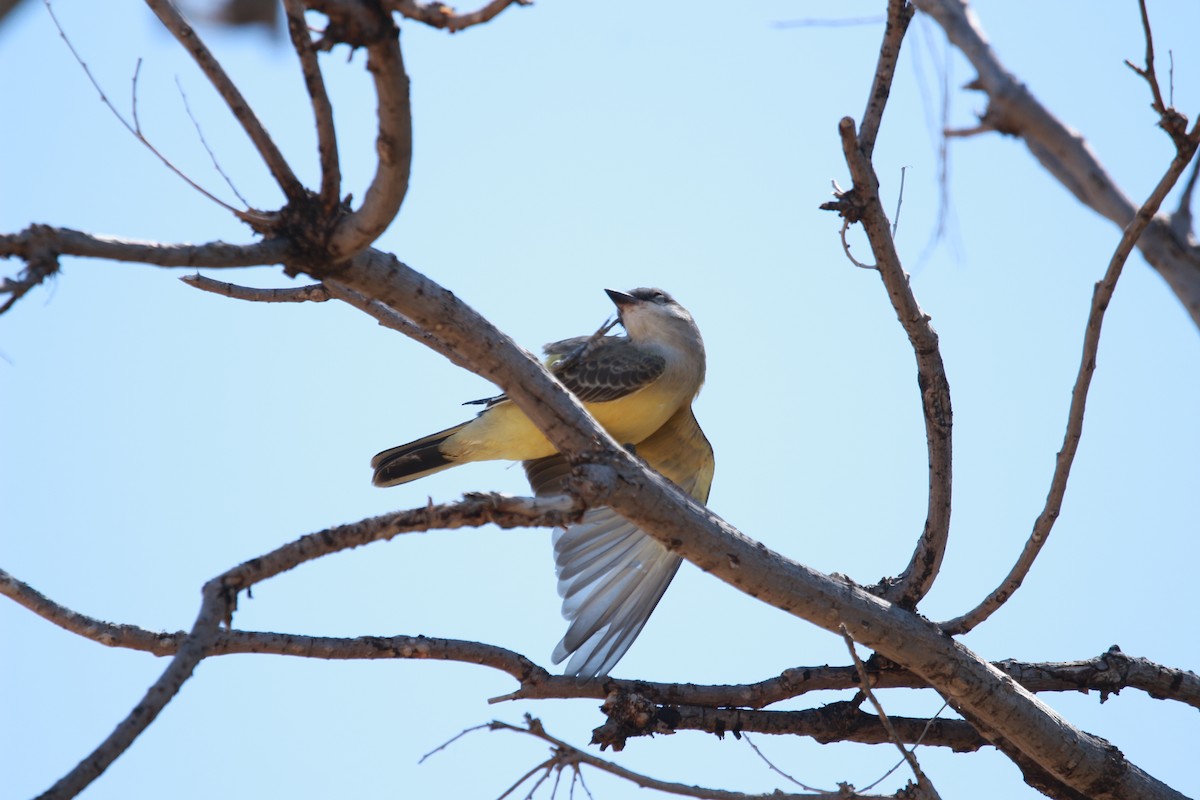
<point>611,576</point>
<point>604,369</point>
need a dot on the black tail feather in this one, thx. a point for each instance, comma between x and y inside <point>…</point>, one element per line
<point>408,462</point>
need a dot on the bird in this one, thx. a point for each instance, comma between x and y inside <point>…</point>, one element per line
<point>640,388</point>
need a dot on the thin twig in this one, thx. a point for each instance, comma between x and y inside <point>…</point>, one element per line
<point>212,69</point>
<point>902,761</point>
<point>899,202</point>
<point>314,81</point>
<point>922,781</point>
<point>1101,297</point>
<point>835,22</point>
<point>773,768</point>
<point>566,755</point>
<point>1170,120</point>
<point>547,765</point>
<point>451,741</point>
<point>135,127</point>
<point>203,141</point>
<point>846,248</point>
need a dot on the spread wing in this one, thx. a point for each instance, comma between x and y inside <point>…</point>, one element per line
<point>611,574</point>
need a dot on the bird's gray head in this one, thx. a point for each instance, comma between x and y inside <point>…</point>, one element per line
<point>652,314</point>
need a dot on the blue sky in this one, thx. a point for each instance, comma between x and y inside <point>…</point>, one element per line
<point>157,435</point>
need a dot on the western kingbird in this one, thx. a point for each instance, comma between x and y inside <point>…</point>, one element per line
<point>640,387</point>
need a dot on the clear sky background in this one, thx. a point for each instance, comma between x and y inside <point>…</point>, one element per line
<point>154,435</point>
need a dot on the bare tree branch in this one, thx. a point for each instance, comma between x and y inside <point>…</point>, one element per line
<point>566,755</point>
<point>1101,297</point>
<point>220,598</point>
<point>862,204</point>
<point>900,13</point>
<point>393,145</point>
<point>41,245</point>
<point>1064,153</point>
<point>327,147</point>
<point>173,21</point>
<point>1108,673</point>
<point>135,127</point>
<point>607,475</point>
<point>313,293</point>
<point>631,714</point>
<point>440,15</point>
<point>924,785</point>
<point>214,608</point>
<point>1169,119</point>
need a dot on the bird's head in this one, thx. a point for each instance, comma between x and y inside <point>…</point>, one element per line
<point>652,314</point>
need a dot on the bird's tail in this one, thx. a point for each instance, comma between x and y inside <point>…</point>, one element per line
<point>407,462</point>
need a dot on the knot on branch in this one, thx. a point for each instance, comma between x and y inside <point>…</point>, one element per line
<point>631,714</point>
<point>1111,672</point>
<point>356,24</point>
<point>591,482</point>
<point>308,224</point>
<point>41,261</point>
<point>848,203</point>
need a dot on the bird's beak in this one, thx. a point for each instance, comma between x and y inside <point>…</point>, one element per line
<point>621,299</point>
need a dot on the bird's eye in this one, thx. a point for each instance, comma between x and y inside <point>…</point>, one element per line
<point>660,298</point>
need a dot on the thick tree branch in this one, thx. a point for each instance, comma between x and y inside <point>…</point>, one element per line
<point>1064,153</point>
<point>613,478</point>
<point>631,715</point>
